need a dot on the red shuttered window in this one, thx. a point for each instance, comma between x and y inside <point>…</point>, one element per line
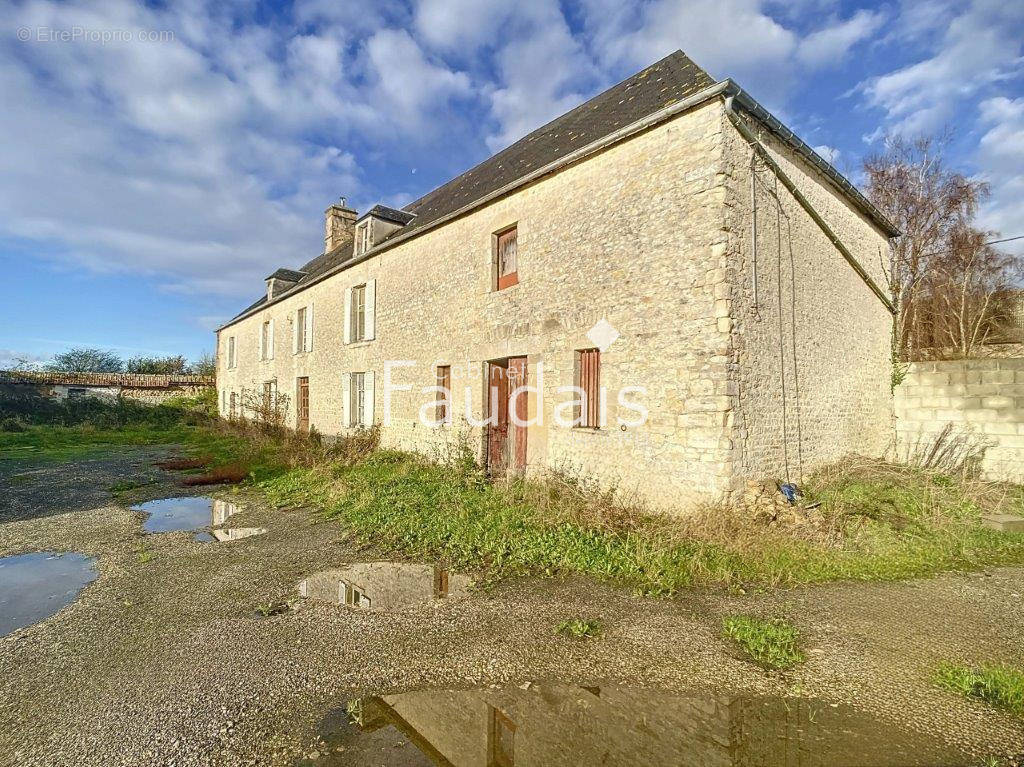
<point>588,368</point>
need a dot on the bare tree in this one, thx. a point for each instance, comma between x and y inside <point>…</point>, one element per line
<point>943,277</point>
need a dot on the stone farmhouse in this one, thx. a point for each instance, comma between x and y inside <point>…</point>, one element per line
<point>663,289</point>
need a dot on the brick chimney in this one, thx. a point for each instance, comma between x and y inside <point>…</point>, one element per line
<point>340,226</point>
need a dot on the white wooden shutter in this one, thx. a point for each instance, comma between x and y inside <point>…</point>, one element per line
<point>368,398</point>
<point>348,315</point>
<point>270,340</point>
<point>371,309</point>
<point>309,329</point>
<point>346,399</point>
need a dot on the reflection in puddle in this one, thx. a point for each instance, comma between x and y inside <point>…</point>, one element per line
<point>35,586</point>
<point>384,585</point>
<point>186,513</point>
<point>545,725</point>
<point>234,533</point>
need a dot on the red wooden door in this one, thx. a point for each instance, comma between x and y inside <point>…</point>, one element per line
<point>506,441</point>
<point>302,405</point>
<point>518,406</point>
<point>497,411</point>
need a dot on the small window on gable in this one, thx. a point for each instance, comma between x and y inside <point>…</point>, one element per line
<point>505,260</point>
<point>588,380</point>
<point>231,352</point>
<point>443,413</point>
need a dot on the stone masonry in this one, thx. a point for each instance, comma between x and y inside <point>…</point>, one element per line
<point>983,400</point>
<point>653,235</point>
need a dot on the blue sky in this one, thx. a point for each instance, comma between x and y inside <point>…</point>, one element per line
<point>149,181</point>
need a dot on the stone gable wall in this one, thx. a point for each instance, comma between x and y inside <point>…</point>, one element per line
<point>811,360</point>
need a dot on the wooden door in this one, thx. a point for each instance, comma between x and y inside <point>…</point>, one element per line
<point>506,442</point>
<point>497,411</point>
<point>302,405</point>
<point>518,406</point>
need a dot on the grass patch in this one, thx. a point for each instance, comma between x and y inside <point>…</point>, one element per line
<point>999,686</point>
<point>579,628</point>
<point>878,523</point>
<point>126,485</point>
<point>771,644</point>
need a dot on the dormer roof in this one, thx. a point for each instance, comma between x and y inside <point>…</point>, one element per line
<point>394,215</point>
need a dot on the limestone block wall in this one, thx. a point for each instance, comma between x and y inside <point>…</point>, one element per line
<point>632,235</point>
<point>982,398</point>
<point>810,357</point>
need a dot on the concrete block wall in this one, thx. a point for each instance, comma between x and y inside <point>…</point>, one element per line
<point>982,398</point>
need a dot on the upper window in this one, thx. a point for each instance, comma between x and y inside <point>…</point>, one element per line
<point>588,379</point>
<point>303,333</point>
<point>505,258</point>
<point>267,340</point>
<point>358,313</point>
<point>231,351</point>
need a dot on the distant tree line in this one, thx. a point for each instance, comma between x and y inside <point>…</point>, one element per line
<point>88,360</point>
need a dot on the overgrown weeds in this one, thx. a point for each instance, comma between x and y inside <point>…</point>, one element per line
<point>771,644</point>
<point>1000,686</point>
<point>864,520</point>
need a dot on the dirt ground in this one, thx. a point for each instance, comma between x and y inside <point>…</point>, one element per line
<point>167,661</point>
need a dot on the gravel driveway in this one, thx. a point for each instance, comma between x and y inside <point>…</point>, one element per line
<point>164,658</point>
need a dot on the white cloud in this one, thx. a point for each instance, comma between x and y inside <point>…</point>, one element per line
<point>981,46</point>
<point>729,38</point>
<point>1001,158</point>
<point>201,159</point>
<point>461,24</point>
<point>830,45</point>
<point>408,84</point>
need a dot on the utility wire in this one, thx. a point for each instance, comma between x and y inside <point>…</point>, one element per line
<point>993,242</point>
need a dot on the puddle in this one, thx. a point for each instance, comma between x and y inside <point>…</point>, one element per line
<point>186,513</point>
<point>546,725</point>
<point>35,586</point>
<point>384,585</point>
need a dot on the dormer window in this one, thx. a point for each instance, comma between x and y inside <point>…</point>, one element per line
<point>363,237</point>
<point>377,224</point>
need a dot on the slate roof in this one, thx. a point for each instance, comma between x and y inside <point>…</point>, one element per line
<point>672,79</point>
<point>289,275</point>
<point>389,214</point>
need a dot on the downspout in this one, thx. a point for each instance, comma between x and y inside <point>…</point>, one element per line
<point>756,145</point>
